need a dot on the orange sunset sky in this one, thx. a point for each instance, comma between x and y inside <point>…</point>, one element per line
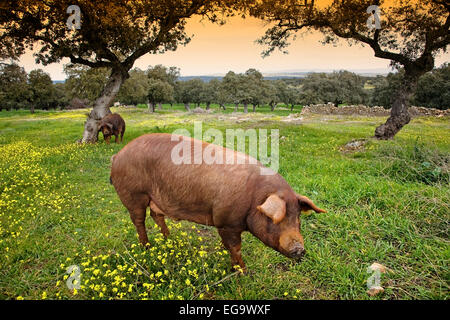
<point>217,49</point>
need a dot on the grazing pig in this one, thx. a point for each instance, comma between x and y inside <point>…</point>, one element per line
<point>112,124</point>
<point>232,197</point>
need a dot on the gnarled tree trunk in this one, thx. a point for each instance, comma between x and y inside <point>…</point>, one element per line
<point>187,107</point>
<point>401,101</point>
<point>102,104</point>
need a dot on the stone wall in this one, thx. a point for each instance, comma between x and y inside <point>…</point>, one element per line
<point>370,111</point>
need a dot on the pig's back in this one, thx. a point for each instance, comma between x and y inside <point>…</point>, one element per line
<point>218,190</point>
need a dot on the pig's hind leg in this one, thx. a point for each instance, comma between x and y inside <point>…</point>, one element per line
<point>137,206</point>
<point>157,215</point>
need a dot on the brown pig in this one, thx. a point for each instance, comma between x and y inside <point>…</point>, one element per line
<point>232,197</point>
<point>112,124</point>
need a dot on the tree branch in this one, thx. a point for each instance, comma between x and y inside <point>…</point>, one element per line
<point>92,64</point>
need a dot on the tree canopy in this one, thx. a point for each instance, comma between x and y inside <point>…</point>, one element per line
<point>14,91</point>
<point>42,89</point>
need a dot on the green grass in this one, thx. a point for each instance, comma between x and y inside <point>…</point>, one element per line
<point>388,204</point>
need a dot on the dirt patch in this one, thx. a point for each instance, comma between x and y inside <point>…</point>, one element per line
<point>282,266</point>
<point>293,118</point>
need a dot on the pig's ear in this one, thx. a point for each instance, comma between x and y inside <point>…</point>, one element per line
<point>306,204</point>
<point>274,207</point>
<point>104,124</point>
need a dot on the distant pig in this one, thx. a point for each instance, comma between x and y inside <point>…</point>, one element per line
<point>232,197</point>
<point>112,124</point>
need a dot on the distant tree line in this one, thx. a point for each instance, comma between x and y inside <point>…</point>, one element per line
<point>160,85</point>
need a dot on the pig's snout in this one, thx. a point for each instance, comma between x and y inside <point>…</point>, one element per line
<point>297,251</point>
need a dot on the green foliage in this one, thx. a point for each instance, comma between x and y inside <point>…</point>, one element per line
<point>14,90</point>
<point>85,83</point>
<point>135,89</point>
<point>288,94</point>
<point>385,89</point>
<point>60,97</point>
<point>189,91</point>
<point>43,92</point>
<point>231,83</point>
<point>159,91</point>
<point>163,73</point>
<point>433,90</point>
<point>338,87</point>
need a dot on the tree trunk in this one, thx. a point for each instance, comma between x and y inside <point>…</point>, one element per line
<point>32,108</point>
<point>102,105</point>
<point>245,107</point>
<point>186,106</point>
<point>208,105</point>
<point>272,106</point>
<point>236,105</point>
<point>151,107</point>
<point>399,113</point>
<point>223,106</point>
<point>254,108</point>
<point>159,106</point>
<point>292,107</point>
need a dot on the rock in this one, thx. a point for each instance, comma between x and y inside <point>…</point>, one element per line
<point>374,291</point>
<point>378,266</point>
<point>354,146</point>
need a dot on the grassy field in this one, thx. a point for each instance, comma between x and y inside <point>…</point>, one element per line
<point>387,203</point>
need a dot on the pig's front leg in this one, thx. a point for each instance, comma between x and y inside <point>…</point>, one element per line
<point>231,239</point>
